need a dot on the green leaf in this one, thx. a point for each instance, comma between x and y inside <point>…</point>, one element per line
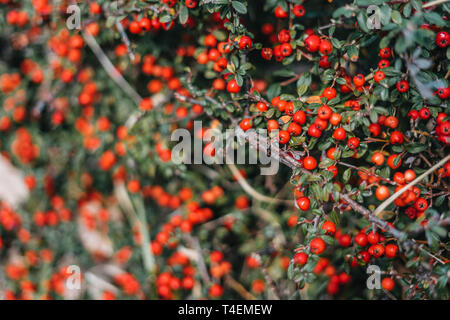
<point>165,18</point>
<point>269,113</point>
<point>334,217</point>
<point>239,7</point>
<point>235,61</point>
<point>341,81</point>
<point>385,14</point>
<point>325,163</point>
<point>415,147</point>
<point>273,90</point>
<point>325,145</point>
<point>439,201</point>
<point>440,231</point>
<point>435,18</point>
<point>302,90</point>
<point>290,271</point>
<point>432,239</point>
<point>362,22</point>
<point>284,73</point>
<point>346,175</point>
<point>384,94</point>
<point>336,43</point>
<point>373,115</point>
<point>328,239</point>
<point>353,53</point>
<point>407,10</point>
<point>239,80</point>
<point>184,14</point>
<point>396,17</point>
<point>442,282</point>
<point>304,79</point>
<point>347,153</point>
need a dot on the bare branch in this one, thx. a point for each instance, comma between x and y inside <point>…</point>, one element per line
<point>110,69</point>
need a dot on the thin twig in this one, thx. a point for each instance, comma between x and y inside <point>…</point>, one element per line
<point>200,261</point>
<point>251,191</point>
<point>110,69</point>
<point>125,40</point>
<point>126,204</point>
<point>239,288</point>
<point>434,3</point>
<point>397,194</point>
<point>270,282</point>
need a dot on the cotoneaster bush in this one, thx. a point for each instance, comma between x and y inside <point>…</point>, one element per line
<point>359,99</point>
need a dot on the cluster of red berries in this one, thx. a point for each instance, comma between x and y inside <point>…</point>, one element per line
<point>128,283</point>
<point>280,51</point>
<point>443,128</point>
<point>377,248</point>
<point>17,18</point>
<point>167,282</point>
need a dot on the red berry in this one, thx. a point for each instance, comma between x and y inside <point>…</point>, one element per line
<point>383,63</point>
<point>246,124</point>
<point>280,13</point>
<point>373,237</point>
<point>294,129</point>
<point>345,240</point>
<point>284,136</point>
<point>300,258</point>
<point>284,36</point>
<point>298,10</point>
<point>339,134</point>
<point>312,43</point>
<point>233,87</point>
<point>325,47</point>
<point>245,43</point>
<point>388,284</point>
<point>134,27</point>
<point>314,131</point>
<point>378,76</point>
<point>216,291</point>
<point>413,114</point>
<point>385,53</point>
<point>267,53</point>
<point>286,49</point>
<point>191,4</point>
<point>359,80</point>
<point>396,137</point>
<point>376,250</point>
<point>324,112</point>
<point>353,143</point>
<point>329,227</point>
<point>309,163</point>
<point>261,106</point>
<point>329,93</point>
<point>391,250</point>
<point>324,63</point>
<point>443,93</point>
<point>299,117</point>
<point>421,204</point>
<point>375,129</point>
<point>424,113</point>
<point>402,86</point>
<point>361,239</point>
<point>442,39</point>
<point>317,245</point>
